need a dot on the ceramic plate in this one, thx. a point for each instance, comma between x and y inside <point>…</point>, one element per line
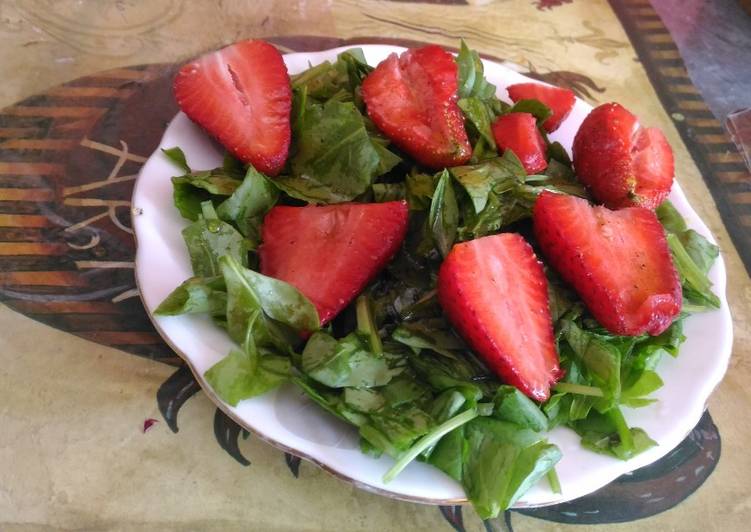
<point>286,419</point>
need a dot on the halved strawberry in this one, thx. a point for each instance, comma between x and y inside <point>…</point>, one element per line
<point>330,253</point>
<point>518,132</point>
<point>241,95</point>
<point>495,293</point>
<point>412,99</point>
<point>559,100</point>
<point>618,262</point>
<point>621,162</point>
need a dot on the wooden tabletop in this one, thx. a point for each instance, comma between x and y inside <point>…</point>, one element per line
<point>90,432</point>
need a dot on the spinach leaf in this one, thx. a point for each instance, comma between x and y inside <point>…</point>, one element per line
<point>248,204</point>
<point>638,377</point>
<point>693,256</point>
<point>383,192</point>
<point>557,153</point>
<point>670,218</point>
<point>428,440</point>
<point>420,189</point>
<point>193,188</point>
<point>365,400</point>
<point>635,395</point>
<point>248,372</point>
<point>601,359</point>
<point>478,101</point>
<point>472,80</point>
<point>701,250</point>
<point>177,157</point>
<point>697,288</point>
<point>339,80</point>
<point>561,298</point>
<point>480,117</point>
<point>496,176</point>
<point>197,295</point>
<point>334,158</point>
<point>500,211</point>
<point>285,309</point>
<point>330,400</point>
<point>562,174</point>
<point>393,430</point>
<point>404,389</point>
<point>494,188</point>
<point>444,214</point>
<point>346,362</point>
<point>432,334</point>
<point>459,373</point>
<point>513,406</point>
<point>449,454</point>
<point>209,238</point>
<point>215,182</point>
<point>575,396</point>
<point>534,107</point>
<point>502,462</point>
<point>608,434</point>
<point>388,159</point>
<point>239,376</point>
<point>188,199</point>
<point>232,166</point>
<point>499,193</point>
<point>450,402</point>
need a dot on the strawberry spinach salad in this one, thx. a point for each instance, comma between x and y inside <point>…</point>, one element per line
<point>380,251</point>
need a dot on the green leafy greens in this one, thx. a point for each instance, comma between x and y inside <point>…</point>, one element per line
<point>335,160</point>
<point>693,256</point>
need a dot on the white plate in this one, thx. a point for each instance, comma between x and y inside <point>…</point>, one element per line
<point>288,420</point>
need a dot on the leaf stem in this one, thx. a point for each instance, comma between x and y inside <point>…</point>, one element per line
<point>429,439</point>
<point>624,432</point>
<point>687,267</point>
<point>555,483</point>
<point>580,389</point>
<point>366,324</point>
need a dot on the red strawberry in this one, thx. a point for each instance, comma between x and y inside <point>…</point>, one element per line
<point>330,253</point>
<point>518,132</point>
<point>618,262</point>
<point>412,99</point>
<point>241,95</point>
<point>559,100</point>
<point>621,162</point>
<point>495,293</point>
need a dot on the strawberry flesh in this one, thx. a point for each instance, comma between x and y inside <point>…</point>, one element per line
<point>330,253</point>
<point>518,132</point>
<point>494,291</point>
<point>559,101</point>
<point>622,163</point>
<point>618,262</point>
<point>412,99</point>
<point>241,95</point>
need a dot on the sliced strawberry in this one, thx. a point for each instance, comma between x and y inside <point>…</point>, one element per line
<point>518,132</point>
<point>621,162</point>
<point>241,95</point>
<point>618,262</point>
<point>495,293</point>
<point>559,100</point>
<point>412,99</point>
<point>330,253</point>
